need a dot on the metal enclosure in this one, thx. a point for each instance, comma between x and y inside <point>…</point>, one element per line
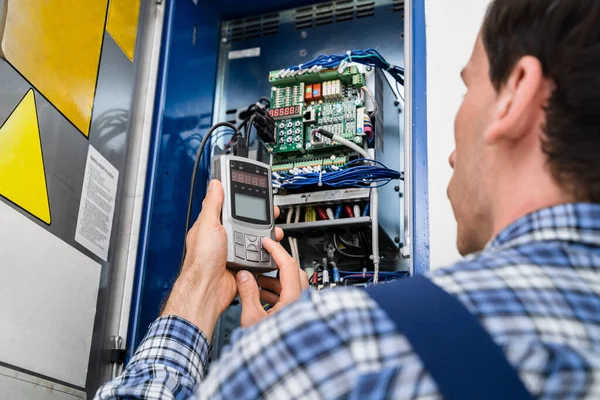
<point>56,294</point>
<point>215,61</point>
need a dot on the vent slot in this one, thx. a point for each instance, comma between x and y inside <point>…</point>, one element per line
<point>253,27</point>
<point>336,11</point>
<point>398,6</point>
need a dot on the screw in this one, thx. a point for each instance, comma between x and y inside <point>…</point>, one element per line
<point>397,239</point>
<point>396,103</point>
<point>303,53</point>
<point>397,188</point>
<point>303,34</point>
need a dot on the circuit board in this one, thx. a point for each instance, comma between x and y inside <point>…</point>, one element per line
<point>302,104</point>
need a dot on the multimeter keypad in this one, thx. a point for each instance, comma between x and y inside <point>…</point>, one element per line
<point>240,252</point>
<point>238,238</point>
<point>249,247</point>
<point>253,256</point>
<point>265,256</point>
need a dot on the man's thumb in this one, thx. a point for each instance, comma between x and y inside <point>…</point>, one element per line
<point>213,202</point>
<point>252,310</point>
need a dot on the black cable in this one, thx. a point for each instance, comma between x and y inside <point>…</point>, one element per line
<point>335,244</point>
<point>195,172</point>
<point>348,244</point>
<point>249,130</point>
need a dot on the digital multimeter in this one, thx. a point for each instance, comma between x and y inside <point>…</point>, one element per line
<point>247,211</point>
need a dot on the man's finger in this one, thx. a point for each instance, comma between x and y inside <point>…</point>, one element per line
<point>269,297</point>
<point>304,279</point>
<point>269,283</point>
<point>252,310</point>
<point>213,202</point>
<point>279,234</point>
<point>288,269</point>
<point>276,211</point>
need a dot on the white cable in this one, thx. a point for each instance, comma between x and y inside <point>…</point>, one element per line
<point>295,240</point>
<point>356,211</point>
<point>329,213</point>
<point>368,92</point>
<point>374,204</point>
<point>288,220</point>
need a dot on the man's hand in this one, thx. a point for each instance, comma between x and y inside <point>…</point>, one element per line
<point>280,292</point>
<point>204,288</point>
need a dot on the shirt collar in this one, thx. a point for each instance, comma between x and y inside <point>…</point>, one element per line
<point>576,223</point>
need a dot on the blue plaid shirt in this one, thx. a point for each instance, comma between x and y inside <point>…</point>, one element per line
<point>536,288</point>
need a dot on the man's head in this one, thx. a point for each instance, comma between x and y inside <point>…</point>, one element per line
<point>528,130</point>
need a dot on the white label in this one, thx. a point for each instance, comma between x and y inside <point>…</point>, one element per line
<point>97,207</point>
<point>235,54</point>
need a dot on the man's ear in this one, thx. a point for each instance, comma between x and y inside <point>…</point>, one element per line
<point>520,102</point>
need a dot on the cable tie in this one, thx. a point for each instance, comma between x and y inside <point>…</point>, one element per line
<point>392,66</point>
<point>320,178</point>
<point>349,54</point>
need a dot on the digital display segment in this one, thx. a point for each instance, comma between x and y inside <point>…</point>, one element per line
<point>250,207</point>
<point>286,112</point>
<point>250,179</point>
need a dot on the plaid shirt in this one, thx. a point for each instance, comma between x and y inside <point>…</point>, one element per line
<point>536,288</point>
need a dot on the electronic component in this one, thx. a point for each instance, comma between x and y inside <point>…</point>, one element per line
<point>329,100</point>
<point>247,213</point>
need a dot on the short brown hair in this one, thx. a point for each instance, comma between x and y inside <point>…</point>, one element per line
<point>565,36</point>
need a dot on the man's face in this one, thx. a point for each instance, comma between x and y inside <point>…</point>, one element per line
<point>469,187</point>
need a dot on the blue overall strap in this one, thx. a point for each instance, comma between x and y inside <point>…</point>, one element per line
<point>454,347</point>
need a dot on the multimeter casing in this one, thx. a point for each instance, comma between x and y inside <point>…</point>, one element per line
<point>244,233</point>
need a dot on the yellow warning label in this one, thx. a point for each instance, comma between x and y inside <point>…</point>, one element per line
<point>56,46</point>
<point>22,176</point>
<point>122,24</point>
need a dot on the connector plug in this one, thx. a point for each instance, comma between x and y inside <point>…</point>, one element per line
<point>240,146</point>
<point>264,124</point>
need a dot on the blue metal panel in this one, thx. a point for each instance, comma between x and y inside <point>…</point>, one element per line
<point>229,9</point>
<point>420,206</point>
<point>183,113</point>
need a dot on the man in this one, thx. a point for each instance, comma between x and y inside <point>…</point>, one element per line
<point>525,193</point>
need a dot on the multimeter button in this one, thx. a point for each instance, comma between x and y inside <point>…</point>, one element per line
<point>239,238</point>
<point>253,256</point>
<point>251,247</point>
<point>265,256</point>
<point>251,238</point>
<point>240,252</point>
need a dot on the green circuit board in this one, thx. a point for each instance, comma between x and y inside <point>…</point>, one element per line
<point>302,104</point>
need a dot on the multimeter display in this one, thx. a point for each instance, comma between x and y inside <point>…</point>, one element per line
<point>250,207</point>
<point>250,200</point>
<point>249,179</point>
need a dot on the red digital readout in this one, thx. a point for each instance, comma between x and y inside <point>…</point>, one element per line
<point>291,111</point>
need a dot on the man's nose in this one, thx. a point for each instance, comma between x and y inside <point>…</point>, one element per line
<point>452,159</point>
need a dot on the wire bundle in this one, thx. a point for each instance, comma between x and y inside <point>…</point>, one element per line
<point>355,174</point>
<point>369,57</point>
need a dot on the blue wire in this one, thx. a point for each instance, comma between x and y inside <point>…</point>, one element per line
<point>369,57</point>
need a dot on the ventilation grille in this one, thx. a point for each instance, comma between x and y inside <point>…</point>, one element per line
<point>398,6</point>
<point>337,11</point>
<point>251,28</point>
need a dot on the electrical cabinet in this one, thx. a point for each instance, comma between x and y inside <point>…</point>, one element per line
<point>216,60</point>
